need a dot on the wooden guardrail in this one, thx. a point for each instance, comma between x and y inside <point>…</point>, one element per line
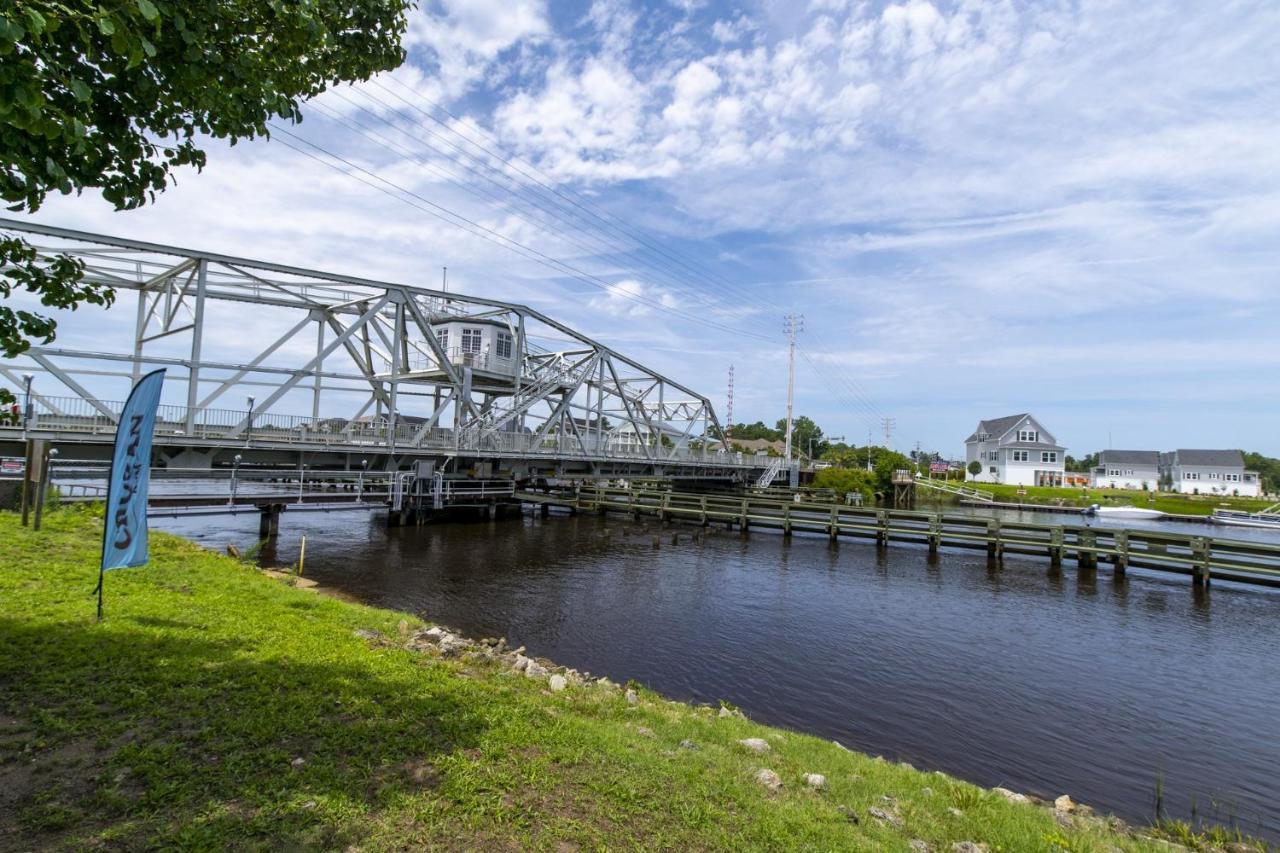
<point>1201,557</point>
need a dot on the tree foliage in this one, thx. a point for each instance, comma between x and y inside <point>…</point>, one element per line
<point>115,95</point>
<point>844,480</point>
<point>1268,470</point>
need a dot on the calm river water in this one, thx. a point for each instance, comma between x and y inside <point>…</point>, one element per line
<point>1044,682</point>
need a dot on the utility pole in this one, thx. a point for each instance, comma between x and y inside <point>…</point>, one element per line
<point>792,324</point>
<point>889,424</point>
<point>728,429</point>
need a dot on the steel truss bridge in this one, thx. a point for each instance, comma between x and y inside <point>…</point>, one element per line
<point>289,367</point>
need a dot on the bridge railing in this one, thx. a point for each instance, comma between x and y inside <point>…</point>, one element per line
<point>79,416</point>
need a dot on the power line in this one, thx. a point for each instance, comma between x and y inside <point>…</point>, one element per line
<point>841,384</point>
<point>447,215</point>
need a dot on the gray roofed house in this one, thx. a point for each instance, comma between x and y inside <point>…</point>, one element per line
<point>1126,469</point>
<point>1017,450</point>
<point>1208,457</point>
<point>1221,472</point>
<point>995,427</point>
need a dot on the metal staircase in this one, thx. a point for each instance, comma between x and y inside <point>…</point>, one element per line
<point>560,373</point>
<point>770,473</point>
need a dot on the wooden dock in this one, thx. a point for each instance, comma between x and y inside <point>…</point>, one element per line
<point>1203,558</point>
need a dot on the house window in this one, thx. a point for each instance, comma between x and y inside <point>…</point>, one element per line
<point>1191,475</point>
<point>1232,478</point>
<point>1021,455</point>
<point>443,335</point>
<point>1113,472</point>
<point>1030,435</point>
<point>471,340</point>
<point>1213,475</point>
<point>504,344</point>
<point>993,469</point>
<point>1049,456</point>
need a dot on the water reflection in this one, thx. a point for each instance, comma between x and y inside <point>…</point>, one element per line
<point>1044,679</point>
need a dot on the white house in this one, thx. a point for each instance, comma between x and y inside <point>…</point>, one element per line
<point>1017,450</point>
<point>1209,472</point>
<point>1127,469</point>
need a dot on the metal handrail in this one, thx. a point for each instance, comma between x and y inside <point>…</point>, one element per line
<point>79,416</point>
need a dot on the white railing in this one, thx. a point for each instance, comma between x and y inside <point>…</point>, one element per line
<point>963,491</point>
<point>74,416</point>
<point>767,478</point>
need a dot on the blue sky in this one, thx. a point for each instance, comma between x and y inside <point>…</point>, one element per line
<point>981,208</point>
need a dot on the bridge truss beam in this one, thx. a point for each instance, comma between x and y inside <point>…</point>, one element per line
<point>390,368</point>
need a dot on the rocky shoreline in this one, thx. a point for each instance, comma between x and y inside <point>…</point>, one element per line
<point>441,642</point>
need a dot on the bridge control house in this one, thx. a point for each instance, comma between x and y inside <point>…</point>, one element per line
<point>1015,450</point>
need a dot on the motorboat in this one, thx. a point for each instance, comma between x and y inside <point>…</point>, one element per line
<point>1238,518</point>
<point>1125,512</point>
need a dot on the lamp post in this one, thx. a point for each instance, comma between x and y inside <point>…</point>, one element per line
<point>235,470</point>
<point>832,439</point>
<point>27,412</point>
<point>248,432</point>
<point>302,479</point>
<point>364,464</point>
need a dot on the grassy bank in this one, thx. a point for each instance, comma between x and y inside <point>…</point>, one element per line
<point>1163,501</point>
<point>217,707</point>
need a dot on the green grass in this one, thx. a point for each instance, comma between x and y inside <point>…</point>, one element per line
<point>176,722</point>
<point>1163,501</point>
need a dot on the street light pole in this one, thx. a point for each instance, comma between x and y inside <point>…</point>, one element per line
<point>364,464</point>
<point>248,432</point>
<point>235,470</point>
<point>27,379</point>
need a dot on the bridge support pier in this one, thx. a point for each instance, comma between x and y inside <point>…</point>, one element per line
<point>269,520</point>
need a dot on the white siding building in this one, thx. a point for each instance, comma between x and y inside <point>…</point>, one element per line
<point>1016,450</point>
<point>1209,472</point>
<point>1127,469</point>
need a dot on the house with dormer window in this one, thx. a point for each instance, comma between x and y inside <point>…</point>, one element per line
<point>1016,450</point>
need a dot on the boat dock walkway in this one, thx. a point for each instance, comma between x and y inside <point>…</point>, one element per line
<point>1203,558</point>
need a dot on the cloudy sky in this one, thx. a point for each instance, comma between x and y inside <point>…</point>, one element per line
<point>980,208</point>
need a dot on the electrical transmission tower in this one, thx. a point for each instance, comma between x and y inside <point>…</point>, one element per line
<point>792,324</point>
<point>728,411</point>
<point>889,424</point>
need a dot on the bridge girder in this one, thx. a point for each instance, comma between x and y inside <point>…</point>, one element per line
<point>381,375</point>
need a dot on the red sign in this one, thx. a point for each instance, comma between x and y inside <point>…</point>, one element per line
<point>938,467</point>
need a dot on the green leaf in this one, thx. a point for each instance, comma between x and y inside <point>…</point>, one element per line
<point>106,26</point>
<point>148,48</point>
<point>80,89</point>
<point>36,21</point>
<point>148,10</point>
